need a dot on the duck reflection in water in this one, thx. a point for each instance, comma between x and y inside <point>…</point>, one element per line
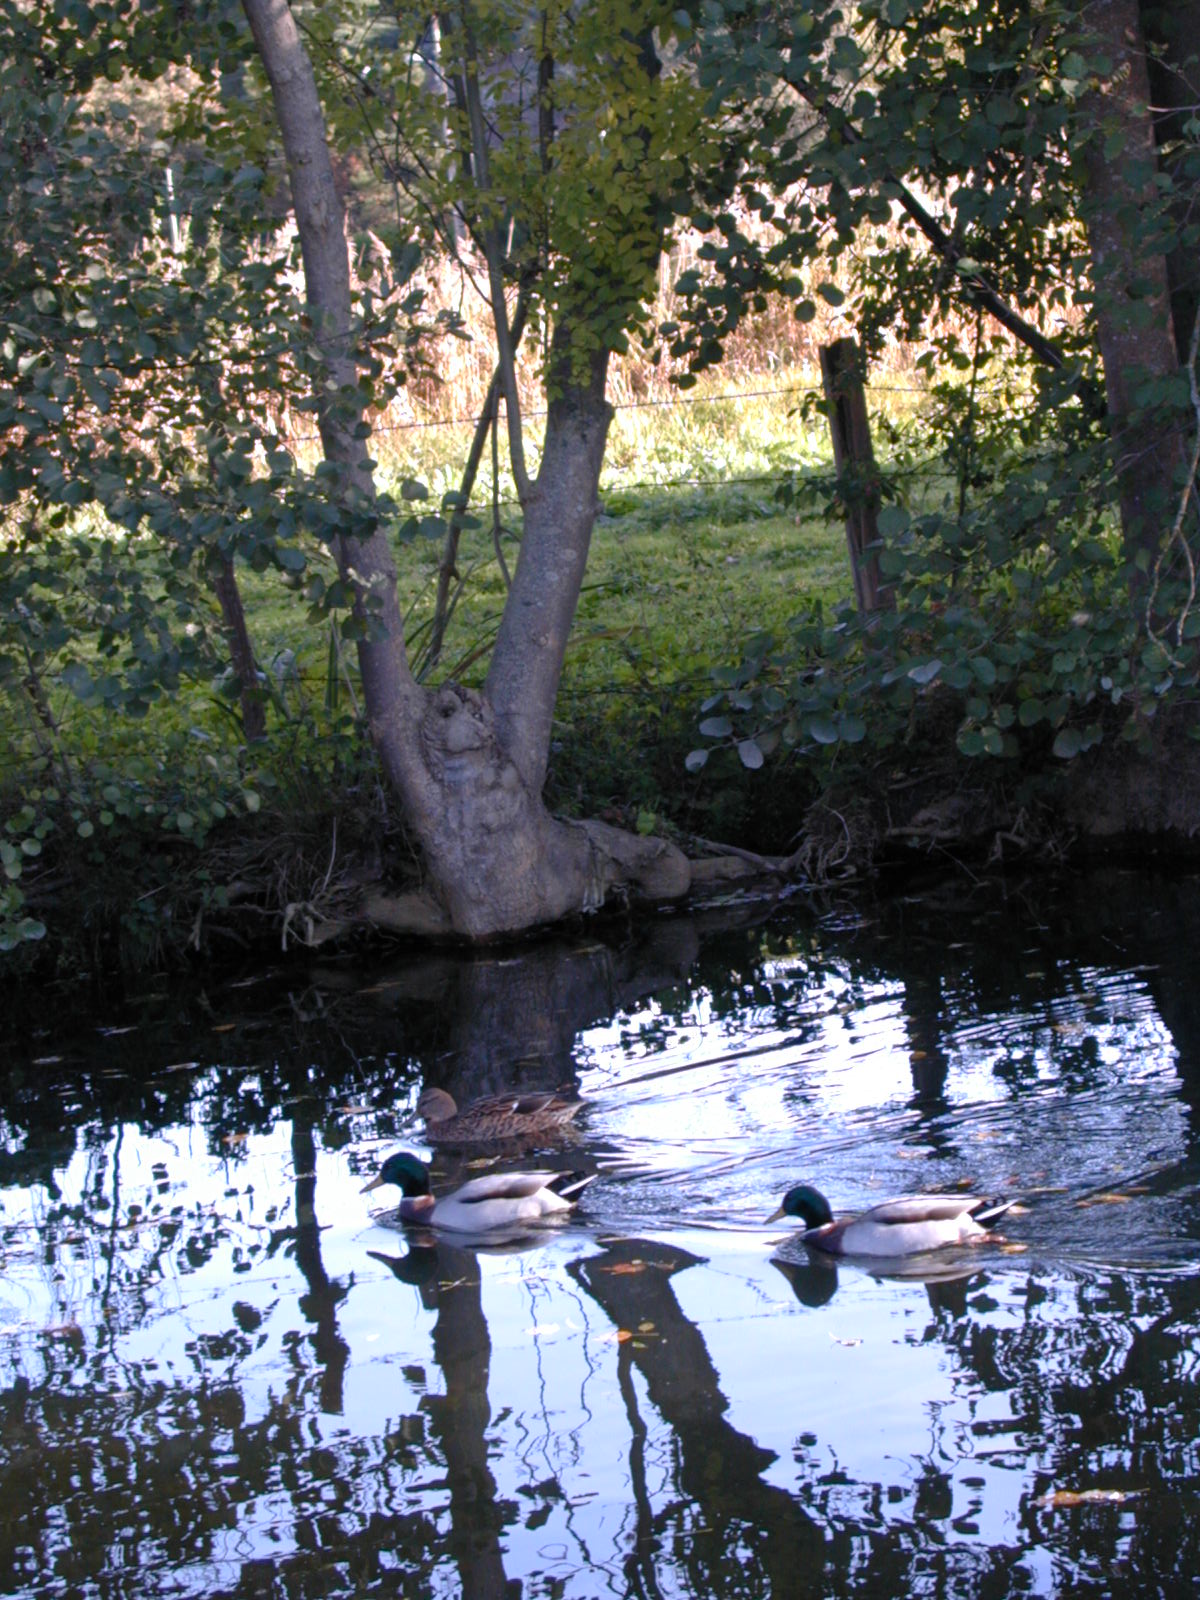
<point>813,1275</point>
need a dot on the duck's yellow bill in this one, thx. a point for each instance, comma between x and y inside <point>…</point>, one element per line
<point>776,1214</point>
<point>375,1183</point>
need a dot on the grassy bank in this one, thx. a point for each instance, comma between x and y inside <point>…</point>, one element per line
<point>143,837</point>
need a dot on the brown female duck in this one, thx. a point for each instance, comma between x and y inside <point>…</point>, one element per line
<point>539,1116</point>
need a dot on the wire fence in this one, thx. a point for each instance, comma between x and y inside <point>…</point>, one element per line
<point>667,403</point>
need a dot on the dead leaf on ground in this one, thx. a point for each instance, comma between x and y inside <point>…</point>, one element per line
<point>1058,1499</point>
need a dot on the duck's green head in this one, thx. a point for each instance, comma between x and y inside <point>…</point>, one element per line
<point>807,1203</point>
<point>404,1170</point>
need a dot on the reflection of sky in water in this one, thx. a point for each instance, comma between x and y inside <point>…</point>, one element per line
<point>701,1120</point>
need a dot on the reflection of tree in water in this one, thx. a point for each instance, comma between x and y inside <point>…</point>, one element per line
<point>728,1531</point>
<point>1085,1384</point>
<point>107,1467</point>
<point>450,1283</point>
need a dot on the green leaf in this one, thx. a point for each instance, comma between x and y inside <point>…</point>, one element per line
<point>695,759</point>
<point>1031,712</point>
<point>716,727</point>
<point>822,730</point>
<point>1068,743</point>
<point>892,520</point>
<point>750,754</point>
<point>925,671</point>
<point>78,680</point>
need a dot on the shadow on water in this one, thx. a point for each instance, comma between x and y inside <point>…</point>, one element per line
<point>220,1375</point>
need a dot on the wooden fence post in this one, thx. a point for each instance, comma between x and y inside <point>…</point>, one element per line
<point>858,480</point>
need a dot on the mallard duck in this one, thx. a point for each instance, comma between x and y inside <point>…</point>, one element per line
<point>497,1200</point>
<point>542,1114</point>
<point>903,1227</point>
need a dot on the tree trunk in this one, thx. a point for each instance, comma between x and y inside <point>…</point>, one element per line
<point>1126,232</point>
<point>560,514</point>
<point>468,767</point>
<point>1173,62</point>
<point>241,651</point>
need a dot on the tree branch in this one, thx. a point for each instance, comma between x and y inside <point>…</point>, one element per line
<point>494,253</point>
<point>485,425</point>
<point>983,292</point>
<point>365,561</point>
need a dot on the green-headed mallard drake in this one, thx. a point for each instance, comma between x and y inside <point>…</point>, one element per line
<point>903,1227</point>
<point>542,1114</point>
<point>497,1200</point>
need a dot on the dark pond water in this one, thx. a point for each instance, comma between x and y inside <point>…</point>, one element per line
<point>223,1373</point>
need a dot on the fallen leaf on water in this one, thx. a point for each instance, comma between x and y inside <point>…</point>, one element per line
<point>234,1138</point>
<point>46,1061</point>
<point>1102,1200</point>
<point>182,1066</point>
<point>645,1327</point>
<point>224,1027</point>
<point>623,1268</point>
<point>1008,1248</point>
<point>354,1111</point>
<point>622,1334</point>
<point>1058,1498</point>
<point>1018,1210</point>
<point>918,1055</point>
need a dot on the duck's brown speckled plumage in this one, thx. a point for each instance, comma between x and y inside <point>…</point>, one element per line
<point>540,1115</point>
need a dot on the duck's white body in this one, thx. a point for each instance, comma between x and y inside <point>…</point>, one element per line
<point>906,1226</point>
<point>498,1200</point>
